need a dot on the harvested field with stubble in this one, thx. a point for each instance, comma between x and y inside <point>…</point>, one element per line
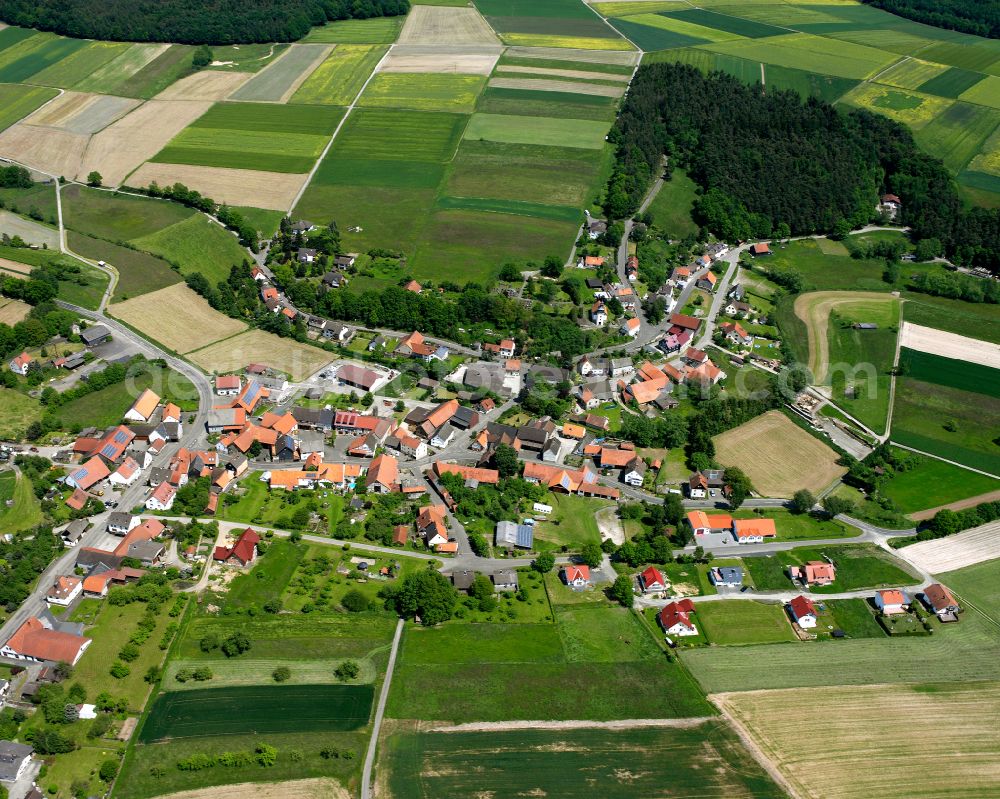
<point>205,85</point>
<point>949,345</point>
<point>120,148</point>
<point>177,318</point>
<point>887,724</point>
<point>778,456</point>
<point>292,789</point>
<point>78,112</point>
<point>620,57</point>
<point>274,190</point>
<point>956,551</point>
<point>12,311</point>
<point>278,81</point>
<point>57,152</point>
<point>465,59</point>
<point>29,230</point>
<point>255,346</point>
<point>441,25</point>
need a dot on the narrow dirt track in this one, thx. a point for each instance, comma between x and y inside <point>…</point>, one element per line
<point>814,310</point>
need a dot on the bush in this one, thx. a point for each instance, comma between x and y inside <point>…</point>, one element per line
<point>202,674</point>
<point>281,674</point>
<point>354,601</point>
<point>129,653</point>
<point>235,644</point>
<point>183,675</point>
<point>109,770</point>
<point>119,670</point>
<point>209,642</point>
<point>348,670</point>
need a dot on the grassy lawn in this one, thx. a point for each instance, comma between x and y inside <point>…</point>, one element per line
<point>257,504</point>
<point>861,360</point>
<point>571,522</point>
<point>932,482</point>
<point>853,616</point>
<point>529,605</point>
<point>823,272</point>
<point>267,578</point>
<point>858,566</point>
<point>739,621</point>
<point>107,406</point>
<point>464,672</point>
<point>114,626</point>
<point>671,208</point>
<point>599,633</point>
<point>19,410</point>
<point>26,511</point>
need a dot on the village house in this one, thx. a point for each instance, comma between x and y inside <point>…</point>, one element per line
<point>36,640</point>
<point>15,759</point>
<point>762,248</point>
<point>815,572</point>
<point>383,475</point>
<point>242,553</point>
<point>505,349</point>
<point>576,576</point>
<point>942,602</point>
<point>596,227</point>
<point>122,522</point>
<point>631,327</point>
<point>735,334</point>
<point>599,313</point>
<point>504,580</point>
<point>20,364</point>
<point>726,576</point>
<point>707,282</point>
<point>890,205</point>
<point>675,618</point>
<point>892,602</point>
<point>143,407</point>
<point>652,581</point>
<point>803,612</point>
<point>708,481</point>
<point>162,497</point>
<point>64,591</point>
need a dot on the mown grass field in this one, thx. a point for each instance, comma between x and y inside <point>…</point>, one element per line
<point>464,673</point>
<point>259,710</point>
<point>932,482</point>
<point>139,272</point>
<point>743,622</point>
<point>671,208</point>
<point>24,512</point>
<point>706,760</point>
<point>537,131</point>
<point>84,288</point>
<point>118,217</point>
<point>880,721</point>
<point>861,361</point>
<point>377,30</point>
<point>272,138</point>
<point>19,411</point>
<point>535,102</point>
<point>196,244</point>
<point>952,423</point>
<point>572,522</point>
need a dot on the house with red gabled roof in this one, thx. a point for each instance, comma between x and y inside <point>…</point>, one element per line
<point>36,641</point>
<point>736,334</point>
<point>760,249</point>
<point>652,581</point>
<point>383,475</point>
<point>631,327</point>
<point>576,576</point>
<point>64,590</point>
<point>414,286</point>
<point>939,599</point>
<point>143,406</point>
<point>707,282</point>
<point>704,523</point>
<point>228,385</point>
<point>815,572</point>
<point>892,602</point>
<point>126,474</point>
<point>675,618</point>
<point>486,476</point>
<point>88,475</point>
<point>242,553</point>
<point>162,497</point>
<point>21,364</point>
<point>802,611</point>
<point>753,531</point>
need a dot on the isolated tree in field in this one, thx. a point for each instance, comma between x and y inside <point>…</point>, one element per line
<point>739,486</point>
<point>591,554</point>
<point>543,563</point>
<point>802,501</point>
<point>348,670</point>
<point>95,178</point>
<point>235,644</point>
<point>621,590</point>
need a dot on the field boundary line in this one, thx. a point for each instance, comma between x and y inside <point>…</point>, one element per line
<point>578,724</point>
<point>336,131</point>
<point>765,761</point>
<point>945,460</point>
<point>366,775</point>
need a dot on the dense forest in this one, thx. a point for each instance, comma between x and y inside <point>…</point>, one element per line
<point>981,17</point>
<point>191,21</point>
<point>769,160</point>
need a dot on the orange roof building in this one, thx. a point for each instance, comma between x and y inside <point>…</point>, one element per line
<point>143,407</point>
<point>383,475</point>
<point>34,641</point>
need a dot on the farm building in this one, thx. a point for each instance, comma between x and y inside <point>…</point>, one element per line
<point>511,535</point>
